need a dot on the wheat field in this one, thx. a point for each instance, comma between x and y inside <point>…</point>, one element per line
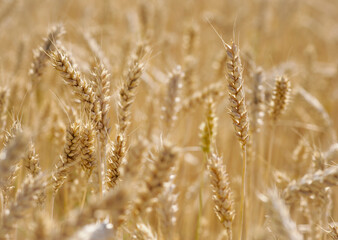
<point>168,119</point>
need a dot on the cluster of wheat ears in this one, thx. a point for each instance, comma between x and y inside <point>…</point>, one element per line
<point>154,119</point>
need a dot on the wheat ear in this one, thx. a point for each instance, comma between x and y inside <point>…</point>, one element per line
<point>71,75</point>
<point>214,90</point>
<point>222,194</point>
<point>280,97</point>
<point>68,158</point>
<point>333,232</point>
<point>172,98</point>
<point>208,128</point>
<point>10,156</point>
<point>281,222</point>
<point>158,174</point>
<point>239,115</point>
<point>278,105</point>
<point>41,53</point>
<point>87,146</point>
<point>114,203</point>
<point>311,183</point>
<point>126,98</point>
<point>24,201</point>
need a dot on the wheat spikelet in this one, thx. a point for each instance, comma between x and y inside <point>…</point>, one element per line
<point>95,49</point>
<point>15,140</point>
<point>10,156</point>
<point>102,89</point>
<point>126,98</point>
<point>24,201</point>
<point>214,90</point>
<point>282,224</point>
<point>190,39</point>
<point>190,43</point>
<point>173,98</point>
<point>143,232</point>
<point>127,91</point>
<point>333,231</point>
<point>239,115</point>
<point>113,202</point>
<point>41,227</point>
<point>87,146</point>
<point>300,156</point>
<point>15,129</point>
<point>115,156</point>
<point>258,102</point>
<point>62,63</point>
<point>311,183</point>
<point>136,155</point>
<point>332,153</point>
<point>208,128</point>
<point>159,173</point>
<point>222,194</point>
<point>237,105</point>
<point>280,97</point>
<point>69,156</point>
<point>315,107</point>
<point>95,231</point>
<point>31,161</point>
<point>41,54</point>
<point>168,208</point>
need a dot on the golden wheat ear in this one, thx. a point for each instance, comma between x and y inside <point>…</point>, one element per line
<point>222,193</point>
<point>125,99</point>
<point>281,223</point>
